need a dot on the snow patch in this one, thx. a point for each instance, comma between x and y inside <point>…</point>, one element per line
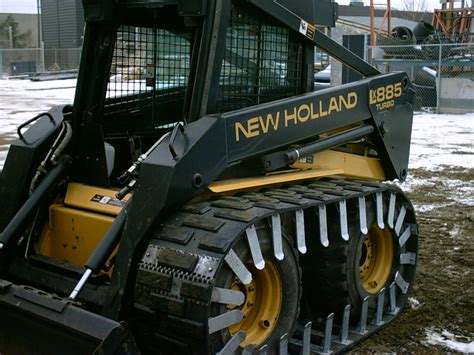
<point>414,303</point>
<point>448,340</point>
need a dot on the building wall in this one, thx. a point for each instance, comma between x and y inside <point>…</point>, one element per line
<point>26,22</point>
<point>63,24</point>
<point>336,34</point>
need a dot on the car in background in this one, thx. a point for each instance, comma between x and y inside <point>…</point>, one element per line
<point>322,79</point>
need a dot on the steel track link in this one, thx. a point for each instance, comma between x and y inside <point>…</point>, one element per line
<point>176,286</point>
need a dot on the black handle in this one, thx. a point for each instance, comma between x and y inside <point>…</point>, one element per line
<point>180,127</point>
<point>23,125</point>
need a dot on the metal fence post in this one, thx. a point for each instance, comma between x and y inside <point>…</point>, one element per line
<point>42,58</point>
<point>438,80</point>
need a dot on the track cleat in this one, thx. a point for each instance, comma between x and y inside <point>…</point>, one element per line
<point>391,210</point>
<point>226,296</point>
<point>344,339</point>
<point>379,313</point>
<point>405,236</point>
<point>276,232</point>
<point>326,345</point>
<point>393,309</point>
<point>238,267</point>
<point>400,220</point>
<point>300,233</point>
<point>283,349</point>
<point>231,346</point>
<point>362,328</point>
<point>224,320</point>
<point>363,215</point>
<point>343,220</point>
<point>323,226</point>
<point>306,346</point>
<point>400,281</point>
<point>379,206</point>
<point>255,247</point>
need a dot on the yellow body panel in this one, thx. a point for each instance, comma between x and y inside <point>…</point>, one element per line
<point>76,226</point>
<point>72,235</point>
<point>274,179</point>
<point>93,199</point>
<point>350,164</point>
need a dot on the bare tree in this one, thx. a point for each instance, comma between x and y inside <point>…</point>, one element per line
<point>415,5</point>
<point>416,9</point>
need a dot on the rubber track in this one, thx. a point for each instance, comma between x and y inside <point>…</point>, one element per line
<point>177,272</point>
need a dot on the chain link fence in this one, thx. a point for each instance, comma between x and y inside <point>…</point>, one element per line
<point>19,61</point>
<point>442,74</point>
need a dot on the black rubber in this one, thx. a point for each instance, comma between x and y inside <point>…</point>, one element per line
<point>334,281</point>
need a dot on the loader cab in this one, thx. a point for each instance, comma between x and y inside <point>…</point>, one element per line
<point>170,63</point>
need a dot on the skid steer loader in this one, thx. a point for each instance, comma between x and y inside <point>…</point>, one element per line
<point>199,197</point>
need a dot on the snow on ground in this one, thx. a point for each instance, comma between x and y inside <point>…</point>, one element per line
<point>449,340</point>
<point>21,100</point>
<point>442,140</point>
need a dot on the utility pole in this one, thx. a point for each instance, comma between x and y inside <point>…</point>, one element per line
<point>38,7</point>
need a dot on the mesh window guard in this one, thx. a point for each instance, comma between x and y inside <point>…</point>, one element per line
<point>262,62</point>
<point>148,64</point>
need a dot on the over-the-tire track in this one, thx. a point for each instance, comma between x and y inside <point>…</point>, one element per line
<point>175,281</point>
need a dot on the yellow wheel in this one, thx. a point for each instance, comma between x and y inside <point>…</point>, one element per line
<point>270,302</point>
<point>376,258</point>
<point>346,272</point>
<point>263,302</point>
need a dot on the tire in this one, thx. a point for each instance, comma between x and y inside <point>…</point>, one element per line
<point>289,290</point>
<point>336,277</point>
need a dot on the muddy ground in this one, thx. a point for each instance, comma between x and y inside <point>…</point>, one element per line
<point>444,285</point>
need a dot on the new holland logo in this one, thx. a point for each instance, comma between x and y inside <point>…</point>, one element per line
<point>305,112</point>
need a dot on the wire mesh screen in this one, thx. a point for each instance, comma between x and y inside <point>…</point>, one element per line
<point>148,63</point>
<point>262,62</point>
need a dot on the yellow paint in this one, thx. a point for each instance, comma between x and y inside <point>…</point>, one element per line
<point>77,226</point>
<point>80,196</point>
<point>376,259</point>
<point>262,306</point>
<point>350,164</point>
<point>72,235</point>
<point>270,122</point>
<point>273,179</point>
<point>383,96</point>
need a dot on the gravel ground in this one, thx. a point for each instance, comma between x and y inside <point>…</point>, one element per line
<point>440,317</point>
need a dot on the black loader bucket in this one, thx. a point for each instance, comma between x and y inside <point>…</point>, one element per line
<point>34,322</point>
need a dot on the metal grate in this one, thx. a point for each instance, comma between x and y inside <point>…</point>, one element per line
<point>148,63</point>
<point>262,62</point>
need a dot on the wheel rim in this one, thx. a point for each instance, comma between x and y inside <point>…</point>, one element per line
<point>376,258</point>
<point>263,302</point>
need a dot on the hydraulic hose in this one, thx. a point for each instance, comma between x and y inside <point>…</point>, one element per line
<point>103,251</point>
<point>42,167</point>
<point>34,201</point>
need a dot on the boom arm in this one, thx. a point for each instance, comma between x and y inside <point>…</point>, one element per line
<point>187,164</point>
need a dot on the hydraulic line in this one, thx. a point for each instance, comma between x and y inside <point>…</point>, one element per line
<point>34,201</point>
<point>103,251</point>
<point>42,167</point>
<point>128,175</point>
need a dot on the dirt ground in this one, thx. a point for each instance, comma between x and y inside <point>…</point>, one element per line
<point>444,285</point>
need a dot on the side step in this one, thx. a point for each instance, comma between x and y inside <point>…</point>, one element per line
<point>32,321</point>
